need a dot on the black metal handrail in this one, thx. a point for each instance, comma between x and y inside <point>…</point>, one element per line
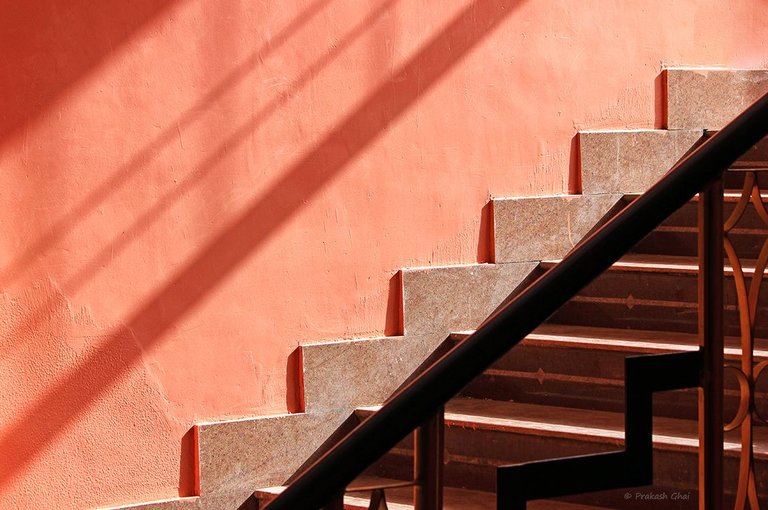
<point>427,393</point>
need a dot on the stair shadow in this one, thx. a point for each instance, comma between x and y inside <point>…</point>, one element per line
<point>485,242</point>
<point>188,483</point>
<point>71,396</point>
<point>393,322</point>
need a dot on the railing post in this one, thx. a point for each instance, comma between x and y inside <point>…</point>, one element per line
<point>428,451</point>
<point>337,503</point>
<point>711,343</point>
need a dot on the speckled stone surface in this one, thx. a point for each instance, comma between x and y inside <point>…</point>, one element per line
<point>455,298</point>
<point>238,456</point>
<point>630,161</point>
<point>225,501</point>
<point>710,98</point>
<point>237,501</point>
<point>171,504</point>
<point>536,228</point>
<point>344,375</point>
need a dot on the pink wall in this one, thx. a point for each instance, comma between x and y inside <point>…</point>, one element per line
<point>191,189</point>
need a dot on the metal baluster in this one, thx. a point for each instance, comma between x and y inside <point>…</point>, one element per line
<point>378,500</point>
<point>428,448</point>
<point>711,343</point>
<point>337,503</point>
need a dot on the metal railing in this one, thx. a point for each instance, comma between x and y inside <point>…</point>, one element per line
<point>417,404</point>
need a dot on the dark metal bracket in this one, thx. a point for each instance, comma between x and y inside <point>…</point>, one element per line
<point>632,467</point>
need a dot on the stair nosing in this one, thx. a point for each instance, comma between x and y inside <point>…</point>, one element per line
<point>605,343</point>
<point>728,196</point>
<point>649,266</point>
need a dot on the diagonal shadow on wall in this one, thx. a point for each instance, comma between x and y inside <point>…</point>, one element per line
<point>201,170</point>
<point>71,396</point>
<point>236,138</point>
<point>47,45</point>
<point>34,317</point>
<point>63,226</point>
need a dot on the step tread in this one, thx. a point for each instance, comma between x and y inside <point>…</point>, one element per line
<point>454,498</point>
<point>728,196</point>
<point>653,263</point>
<point>579,424</point>
<point>637,341</point>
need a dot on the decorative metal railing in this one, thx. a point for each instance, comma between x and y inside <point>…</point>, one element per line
<point>419,405</point>
<point>747,372</point>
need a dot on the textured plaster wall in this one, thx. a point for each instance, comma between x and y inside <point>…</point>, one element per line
<point>189,189</point>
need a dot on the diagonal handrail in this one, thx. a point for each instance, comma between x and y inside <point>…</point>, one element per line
<point>427,393</point>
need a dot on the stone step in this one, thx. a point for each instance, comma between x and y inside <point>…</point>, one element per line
<point>583,367</point>
<point>484,434</point>
<point>401,498</point>
<point>652,292</point>
<point>710,97</point>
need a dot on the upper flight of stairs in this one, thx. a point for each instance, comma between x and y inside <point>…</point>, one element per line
<point>558,393</point>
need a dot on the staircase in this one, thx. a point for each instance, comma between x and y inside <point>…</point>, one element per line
<point>561,392</point>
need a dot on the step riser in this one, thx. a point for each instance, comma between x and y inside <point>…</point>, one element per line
<point>677,235</point>
<point>680,404</point>
<point>687,215</point>
<point>756,158</point>
<point>643,300</point>
<point>684,244</point>
<point>658,318</point>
